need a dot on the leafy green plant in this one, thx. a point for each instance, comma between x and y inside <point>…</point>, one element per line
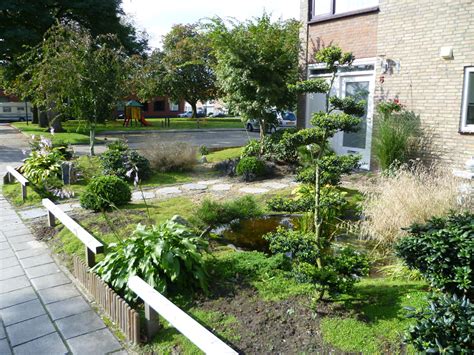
<point>165,256</point>
<point>40,166</point>
<point>252,149</point>
<point>203,150</point>
<point>127,164</point>
<point>395,137</point>
<point>104,192</point>
<point>213,213</point>
<point>442,250</point>
<point>444,327</point>
<point>250,168</point>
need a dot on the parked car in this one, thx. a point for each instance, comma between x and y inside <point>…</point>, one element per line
<point>285,119</point>
<point>187,114</point>
<point>216,114</point>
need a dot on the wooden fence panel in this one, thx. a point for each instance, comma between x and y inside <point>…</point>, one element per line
<point>126,318</point>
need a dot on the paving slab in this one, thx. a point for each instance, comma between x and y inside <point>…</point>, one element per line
<point>253,190</point>
<point>22,312</point>
<point>16,297</point>
<point>137,196</point>
<point>42,270</point>
<point>4,245</point>
<point>27,330</point>
<point>17,232</point>
<point>58,293</point>
<point>95,343</point>
<point>66,308</point>
<point>48,344</point>
<point>8,262</point>
<point>49,281</point>
<point>79,324</point>
<point>13,284</point>
<point>6,253</point>
<point>28,253</point>
<point>194,187</point>
<point>36,260</point>
<point>33,244</point>
<point>33,213</point>
<point>2,331</point>
<point>5,347</point>
<point>11,272</point>
<point>168,191</point>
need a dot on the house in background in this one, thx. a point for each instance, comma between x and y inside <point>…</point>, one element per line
<point>157,107</point>
<point>12,109</point>
<point>421,52</point>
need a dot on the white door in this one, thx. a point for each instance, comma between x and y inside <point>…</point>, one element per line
<point>360,87</point>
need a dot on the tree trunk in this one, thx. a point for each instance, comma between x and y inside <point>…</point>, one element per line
<point>317,211</point>
<point>194,109</point>
<point>35,118</point>
<point>55,122</point>
<point>43,119</point>
<point>262,135</point>
<point>92,141</point>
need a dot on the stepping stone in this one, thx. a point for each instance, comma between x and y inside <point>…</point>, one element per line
<point>33,213</point>
<point>209,182</point>
<point>48,344</point>
<point>137,195</point>
<point>221,187</point>
<point>274,185</point>
<point>168,191</point>
<point>195,187</point>
<point>253,190</point>
<point>66,207</point>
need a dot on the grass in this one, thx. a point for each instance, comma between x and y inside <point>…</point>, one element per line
<point>13,193</point>
<point>378,320</point>
<point>224,154</point>
<point>76,132</point>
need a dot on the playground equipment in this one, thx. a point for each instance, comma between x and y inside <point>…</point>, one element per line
<point>133,113</point>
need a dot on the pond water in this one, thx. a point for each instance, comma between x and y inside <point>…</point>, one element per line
<point>248,234</point>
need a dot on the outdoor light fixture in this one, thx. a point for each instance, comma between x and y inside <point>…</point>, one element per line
<point>388,66</point>
<point>446,53</point>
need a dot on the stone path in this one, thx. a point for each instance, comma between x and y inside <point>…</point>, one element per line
<point>41,311</point>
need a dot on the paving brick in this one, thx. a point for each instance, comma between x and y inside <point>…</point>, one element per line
<point>4,347</point>
<point>18,232</point>
<point>58,293</point>
<point>32,244</point>
<point>4,245</point>
<point>6,253</point>
<point>2,331</point>
<point>48,281</point>
<point>68,307</point>
<point>8,262</point>
<point>32,252</point>
<point>79,324</point>
<point>13,284</point>
<point>20,239</point>
<point>23,332</point>
<point>42,270</point>
<point>16,297</point>
<point>36,260</point>
<point>10,272</point>
<point>48,344</point>
<point>21,312</point>
<point>98,342</point>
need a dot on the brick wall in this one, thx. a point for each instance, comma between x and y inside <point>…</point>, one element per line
<point>413,33</point>
<point>357,34</point>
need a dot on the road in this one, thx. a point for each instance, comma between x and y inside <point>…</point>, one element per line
<point>12,144</point>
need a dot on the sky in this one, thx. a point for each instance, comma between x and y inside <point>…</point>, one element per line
<point>157,17</point>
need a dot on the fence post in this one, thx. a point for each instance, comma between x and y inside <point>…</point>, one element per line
<point>51,219</point>
<point>152,322</point>
<point>23,192</point>
<point>7,178</point>
<point>90,258</point>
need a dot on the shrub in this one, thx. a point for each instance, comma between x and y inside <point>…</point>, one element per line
<point>176,156</point>
<point>405,197</point>
<point>396,138</point>
<point>120,161</point>
<point>444,327</point>
<point>252,149</point>
<point>213,213</point>
<point>250,168</point>
<point>43,165</point>
<point>443,251</point>
<point>104,192</point>
<point>203,150</point>
<point>166,255</point>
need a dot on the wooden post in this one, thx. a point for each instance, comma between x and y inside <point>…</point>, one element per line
<point>7,178</point>
<point>152,323</point>
<point>51,219</point>
<point>90,258</point>
<point>23,192</point>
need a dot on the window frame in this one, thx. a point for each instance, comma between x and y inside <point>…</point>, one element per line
<point>156,108</point>
<point>464,126</point>
<point>332,13</point>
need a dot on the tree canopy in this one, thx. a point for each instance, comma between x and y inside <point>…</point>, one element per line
<point>256,61</point>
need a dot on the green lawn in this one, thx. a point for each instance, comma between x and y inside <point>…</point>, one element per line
<point>224,154</point>
<point>77,132</point>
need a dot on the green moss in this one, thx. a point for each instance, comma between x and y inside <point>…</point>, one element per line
<point>221,155</point>
<point>378,318</point>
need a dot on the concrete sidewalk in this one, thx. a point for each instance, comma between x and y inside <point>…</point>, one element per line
<point>41,311</point>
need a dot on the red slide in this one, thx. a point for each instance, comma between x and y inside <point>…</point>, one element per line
<point>144,122</point>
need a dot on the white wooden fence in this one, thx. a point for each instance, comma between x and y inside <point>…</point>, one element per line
<point>155,303</point>
<point>12,173</point>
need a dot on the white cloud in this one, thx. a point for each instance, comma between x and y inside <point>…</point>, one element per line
<point>157,16</point>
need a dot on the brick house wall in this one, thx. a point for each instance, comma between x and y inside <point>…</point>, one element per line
<point>413,32</point>
<point>160,106</point>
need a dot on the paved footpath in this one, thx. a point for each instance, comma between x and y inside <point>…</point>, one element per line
<point>41,311</point>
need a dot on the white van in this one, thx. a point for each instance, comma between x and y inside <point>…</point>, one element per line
<point>15,111</point>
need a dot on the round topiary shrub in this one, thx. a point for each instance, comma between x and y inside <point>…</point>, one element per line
<point>250,168</point>
<point>104,192</point>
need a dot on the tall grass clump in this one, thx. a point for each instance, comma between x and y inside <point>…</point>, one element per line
<point>397,135</point>
<point>170,156</point>
<point>407,196</point>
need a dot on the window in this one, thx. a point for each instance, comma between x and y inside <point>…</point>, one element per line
<point>174,106</point>
<point>7,109</point>
<point>467,120</point>
<point>328,8</point>
<point>145,106</point>
<point>159,105</point>
<point>22,109</point>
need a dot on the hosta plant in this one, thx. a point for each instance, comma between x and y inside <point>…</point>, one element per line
<point>165,256</point>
